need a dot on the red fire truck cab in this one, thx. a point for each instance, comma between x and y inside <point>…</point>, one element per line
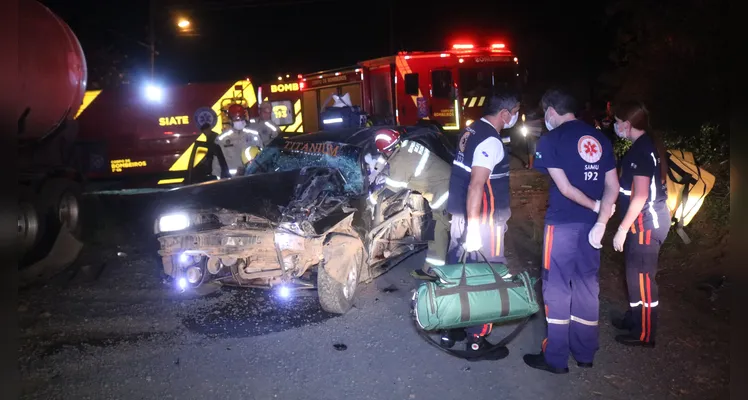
<point>447,88</point>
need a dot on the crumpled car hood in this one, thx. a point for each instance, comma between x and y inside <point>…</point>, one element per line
<point>262,195</point>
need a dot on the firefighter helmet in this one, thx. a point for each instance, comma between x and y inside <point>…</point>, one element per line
<point>249,154</point>
<point>386,140</point>
<point>237,112</point>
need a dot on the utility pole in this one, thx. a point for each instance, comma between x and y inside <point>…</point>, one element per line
<point>152,42</point>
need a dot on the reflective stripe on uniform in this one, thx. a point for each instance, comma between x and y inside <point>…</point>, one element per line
<point>497,176</point>
<point>394,183</point>
<point>557,321</point>
<point>461,165</point>
<point>440,201</point>
<point>639,303</point>
<point>422,162</point>
<point>583,321</point>
<point>625,192</point>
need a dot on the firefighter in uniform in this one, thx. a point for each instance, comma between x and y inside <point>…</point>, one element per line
<point>234,140</point>
<point>479,188</point>
<point>645,224</point>
<point>584,186</point>
<point>414,167</point>
<point>264,127</point>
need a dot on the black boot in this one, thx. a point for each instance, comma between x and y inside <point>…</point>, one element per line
<point>624,323</point>
<point>633,340</point>
<point>537,361</point>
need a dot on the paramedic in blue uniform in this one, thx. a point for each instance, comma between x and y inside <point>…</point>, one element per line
<point>479,192</point>
<point>645,224</point>
<point>582,194</point>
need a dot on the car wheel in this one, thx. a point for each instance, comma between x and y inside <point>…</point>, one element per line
<point>339,273</point>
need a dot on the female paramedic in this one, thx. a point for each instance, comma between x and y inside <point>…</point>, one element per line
<point>645,224</point>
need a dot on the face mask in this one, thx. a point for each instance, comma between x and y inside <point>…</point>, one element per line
<point>548,124</point>
<point>618,131</point>
<point>512,121</point>
<point>239,125</point>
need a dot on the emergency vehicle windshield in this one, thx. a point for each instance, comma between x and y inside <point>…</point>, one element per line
<point>289,156</point>
<point>480,81</point>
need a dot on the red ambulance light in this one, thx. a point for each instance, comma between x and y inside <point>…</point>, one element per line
<point>168,133</point>
<point>462,60</point>
<point>498,46</point>
<point>462,46</point>
<point>298,76</point>
<point>302,84</point>
<point>444,55</point>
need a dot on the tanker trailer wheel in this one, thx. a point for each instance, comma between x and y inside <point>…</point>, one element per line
<point>28,226</point>
<point>57,207</point>
<point>339,273</point>
<point>63,198</point>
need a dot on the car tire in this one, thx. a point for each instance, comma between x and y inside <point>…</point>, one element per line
<point>339,273</point>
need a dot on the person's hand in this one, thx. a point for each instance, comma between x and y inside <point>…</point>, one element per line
<point>473,241</point>
<point>596,235</point>
<point>619,239</point>
<point>597,208</point>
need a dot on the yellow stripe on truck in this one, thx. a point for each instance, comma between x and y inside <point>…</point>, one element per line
<point>88,98</point>
<point>184,159</point>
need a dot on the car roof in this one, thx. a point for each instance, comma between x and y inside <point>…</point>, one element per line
<point>364,138</point>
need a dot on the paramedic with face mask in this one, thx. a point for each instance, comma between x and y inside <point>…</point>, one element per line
<point>582,192</point>
<point>479,193</point>
<point>234,140</point>
<point>645,224</point>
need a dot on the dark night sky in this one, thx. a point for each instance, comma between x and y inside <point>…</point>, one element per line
<point>261,38</point>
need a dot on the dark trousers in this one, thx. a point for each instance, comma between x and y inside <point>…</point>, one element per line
<point>570,292</point>
<point>492,238</point>
<point>642,250</point>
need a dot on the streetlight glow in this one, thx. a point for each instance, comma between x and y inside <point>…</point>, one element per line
<point>183,23</point>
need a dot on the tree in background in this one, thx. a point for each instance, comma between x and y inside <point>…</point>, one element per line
<point>671,54</point>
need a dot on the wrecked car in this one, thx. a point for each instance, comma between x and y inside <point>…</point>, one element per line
<point>299,219</point>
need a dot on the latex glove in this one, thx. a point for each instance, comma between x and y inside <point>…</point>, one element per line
<point>619,239</point>
<point>595,236</point>
<point>473,241</point>
<point>597,208</point>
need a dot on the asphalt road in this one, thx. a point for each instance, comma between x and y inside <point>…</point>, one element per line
<point>110,328</point>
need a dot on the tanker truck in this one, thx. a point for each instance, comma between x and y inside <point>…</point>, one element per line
<point>52,72</point>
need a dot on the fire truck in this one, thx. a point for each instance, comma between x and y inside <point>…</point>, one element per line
<point>285,97</point>
<point>144,137</point>
<point>445,88</point>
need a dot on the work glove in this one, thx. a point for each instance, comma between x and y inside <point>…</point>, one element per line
<point>620,238</point>
<point>596,235</point>
<point>597,208</point>
<point>473,241</point>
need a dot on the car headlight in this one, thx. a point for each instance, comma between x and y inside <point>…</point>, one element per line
<point>173,222</point>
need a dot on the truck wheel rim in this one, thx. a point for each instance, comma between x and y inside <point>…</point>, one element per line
<point>28,226</point>
<point>68,211</point>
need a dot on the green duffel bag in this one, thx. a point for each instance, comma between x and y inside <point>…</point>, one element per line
<point>474,294</point>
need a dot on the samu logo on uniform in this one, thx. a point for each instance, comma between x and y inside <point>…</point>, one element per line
<point>589,149</point>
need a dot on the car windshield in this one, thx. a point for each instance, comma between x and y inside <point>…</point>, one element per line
<point>288,156</point>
